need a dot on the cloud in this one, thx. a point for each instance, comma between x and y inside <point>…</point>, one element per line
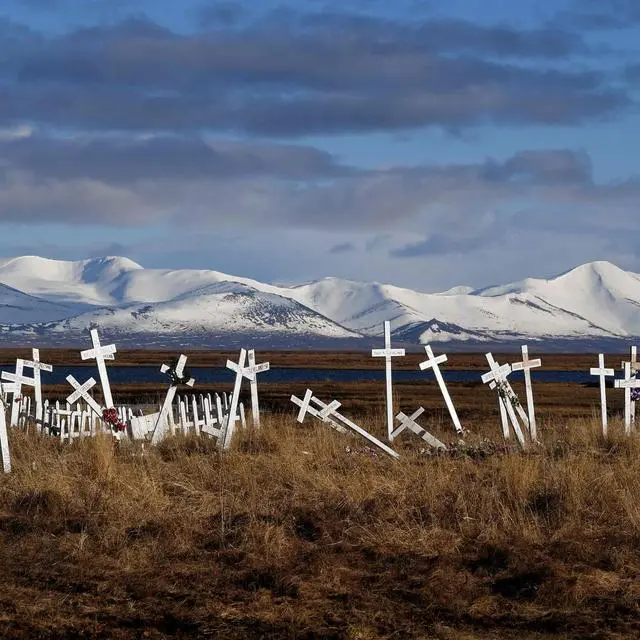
<point>342,247</point>
<point>293,75</point>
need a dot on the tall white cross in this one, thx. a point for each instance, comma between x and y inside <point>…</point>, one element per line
<point>387,353</point>
<point>629,383</point>
<point>602,373</point>
<point>409,422</point>
<point>163,416</point>
<point>18,378</point>
<point>229,423</point>
<point>101,353</point>
<point>497,379</point>
<point>635,368</point>
<point>434,363</point>
<point>82,391</point>
<point>526,365</point>
<point>327,411</point>
<point>251,372</point>
<point>4,439</point>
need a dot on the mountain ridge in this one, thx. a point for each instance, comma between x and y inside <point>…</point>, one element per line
<point>590,302</point>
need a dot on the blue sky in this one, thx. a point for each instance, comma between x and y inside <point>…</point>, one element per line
<point>425,144</point>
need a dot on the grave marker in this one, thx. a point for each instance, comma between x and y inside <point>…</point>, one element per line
<point>433,363</point>
<point>177,377</point>
<point>82,391</point>
<point>251,372</point>
<point>229,423</point>
<point>101,353</point>
<point>4,440</point>
<point>327,413</point>
<point>629,384</point>
<point>635,367</point>
<point>526,365</point>
<point>602,373</point>
<point>388,353</point>
<point>18,379</point>
<point>409,422</point>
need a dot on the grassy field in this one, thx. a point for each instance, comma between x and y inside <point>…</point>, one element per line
<point>302,533</point>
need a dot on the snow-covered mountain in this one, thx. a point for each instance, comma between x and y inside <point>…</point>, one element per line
<point>55,300</point>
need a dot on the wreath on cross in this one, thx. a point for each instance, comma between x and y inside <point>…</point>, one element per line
<point>173,373</point>
<point>110,416</point>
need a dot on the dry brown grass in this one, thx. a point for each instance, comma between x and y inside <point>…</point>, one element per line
<point>292,536</point>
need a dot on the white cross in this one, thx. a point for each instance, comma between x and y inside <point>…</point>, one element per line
<point>628,383</point>
<point>409,422</point>
<point>165,412</point>
<point>387,353</point>
<point>602,372</point>
<point>101,353</point>
<point>526,365</point>
<point>635,368</point>
<point>37,367</point>
<point>434,363</point>
<point>323,415</point>
<point>327,412</point>
<point>18,378</point>
<point>82,391</point>
<point>251,372</point>
<point>229,423</point>
<point>4,440</point>
<point>497,378</point>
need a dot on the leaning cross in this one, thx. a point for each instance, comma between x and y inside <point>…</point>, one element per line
<point>409,422</point>
<point>82,391</point>
<point>602,372</point>
<point>176,378</point>
<point>434,363</point>
<point>18,378</point>
<point>324,415</point>
<point>387,353</point>
<point>526,365</point>
<point>100,354</point>
<point>497,379</point>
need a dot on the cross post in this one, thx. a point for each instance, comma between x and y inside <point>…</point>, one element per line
<point>101,353</point>
<point>602,373</point>
<point>388,353</point>
<point>433,363</point>
<point>526,365</point>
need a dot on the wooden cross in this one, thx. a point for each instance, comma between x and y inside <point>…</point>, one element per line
<point>602,372</point>
<point>635,368</point>
<point>324,415</point>
<point>82,391</point>
<point>497,379</point>
<point>229,423</point>
<point>526,365</point>
<point>165,411</point>
<point>433,363</point>
<point>327,412</point>
<point>100,354</point>
<point>4,439</point>
<point>409,422</point>
<point>629,383</point>
<point>251,372</point>
<point>18,378</point>
<point>387,353</point>
<point>37,367</point>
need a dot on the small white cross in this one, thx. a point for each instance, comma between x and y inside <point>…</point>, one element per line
<point>323,415</point>
<point>101,353</point>
<point>82,391</point>
<point>165,412</point>
<point>433,363</point>
<point>602,372</point>
<point>387,353</point>
<point>409,422</point>
<point>18,379</point>
<point>526,365</point>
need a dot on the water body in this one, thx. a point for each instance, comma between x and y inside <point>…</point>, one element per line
<point>131,375</point>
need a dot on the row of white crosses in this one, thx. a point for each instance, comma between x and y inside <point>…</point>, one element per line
<point>509,404</point>
<point>629,383</point>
